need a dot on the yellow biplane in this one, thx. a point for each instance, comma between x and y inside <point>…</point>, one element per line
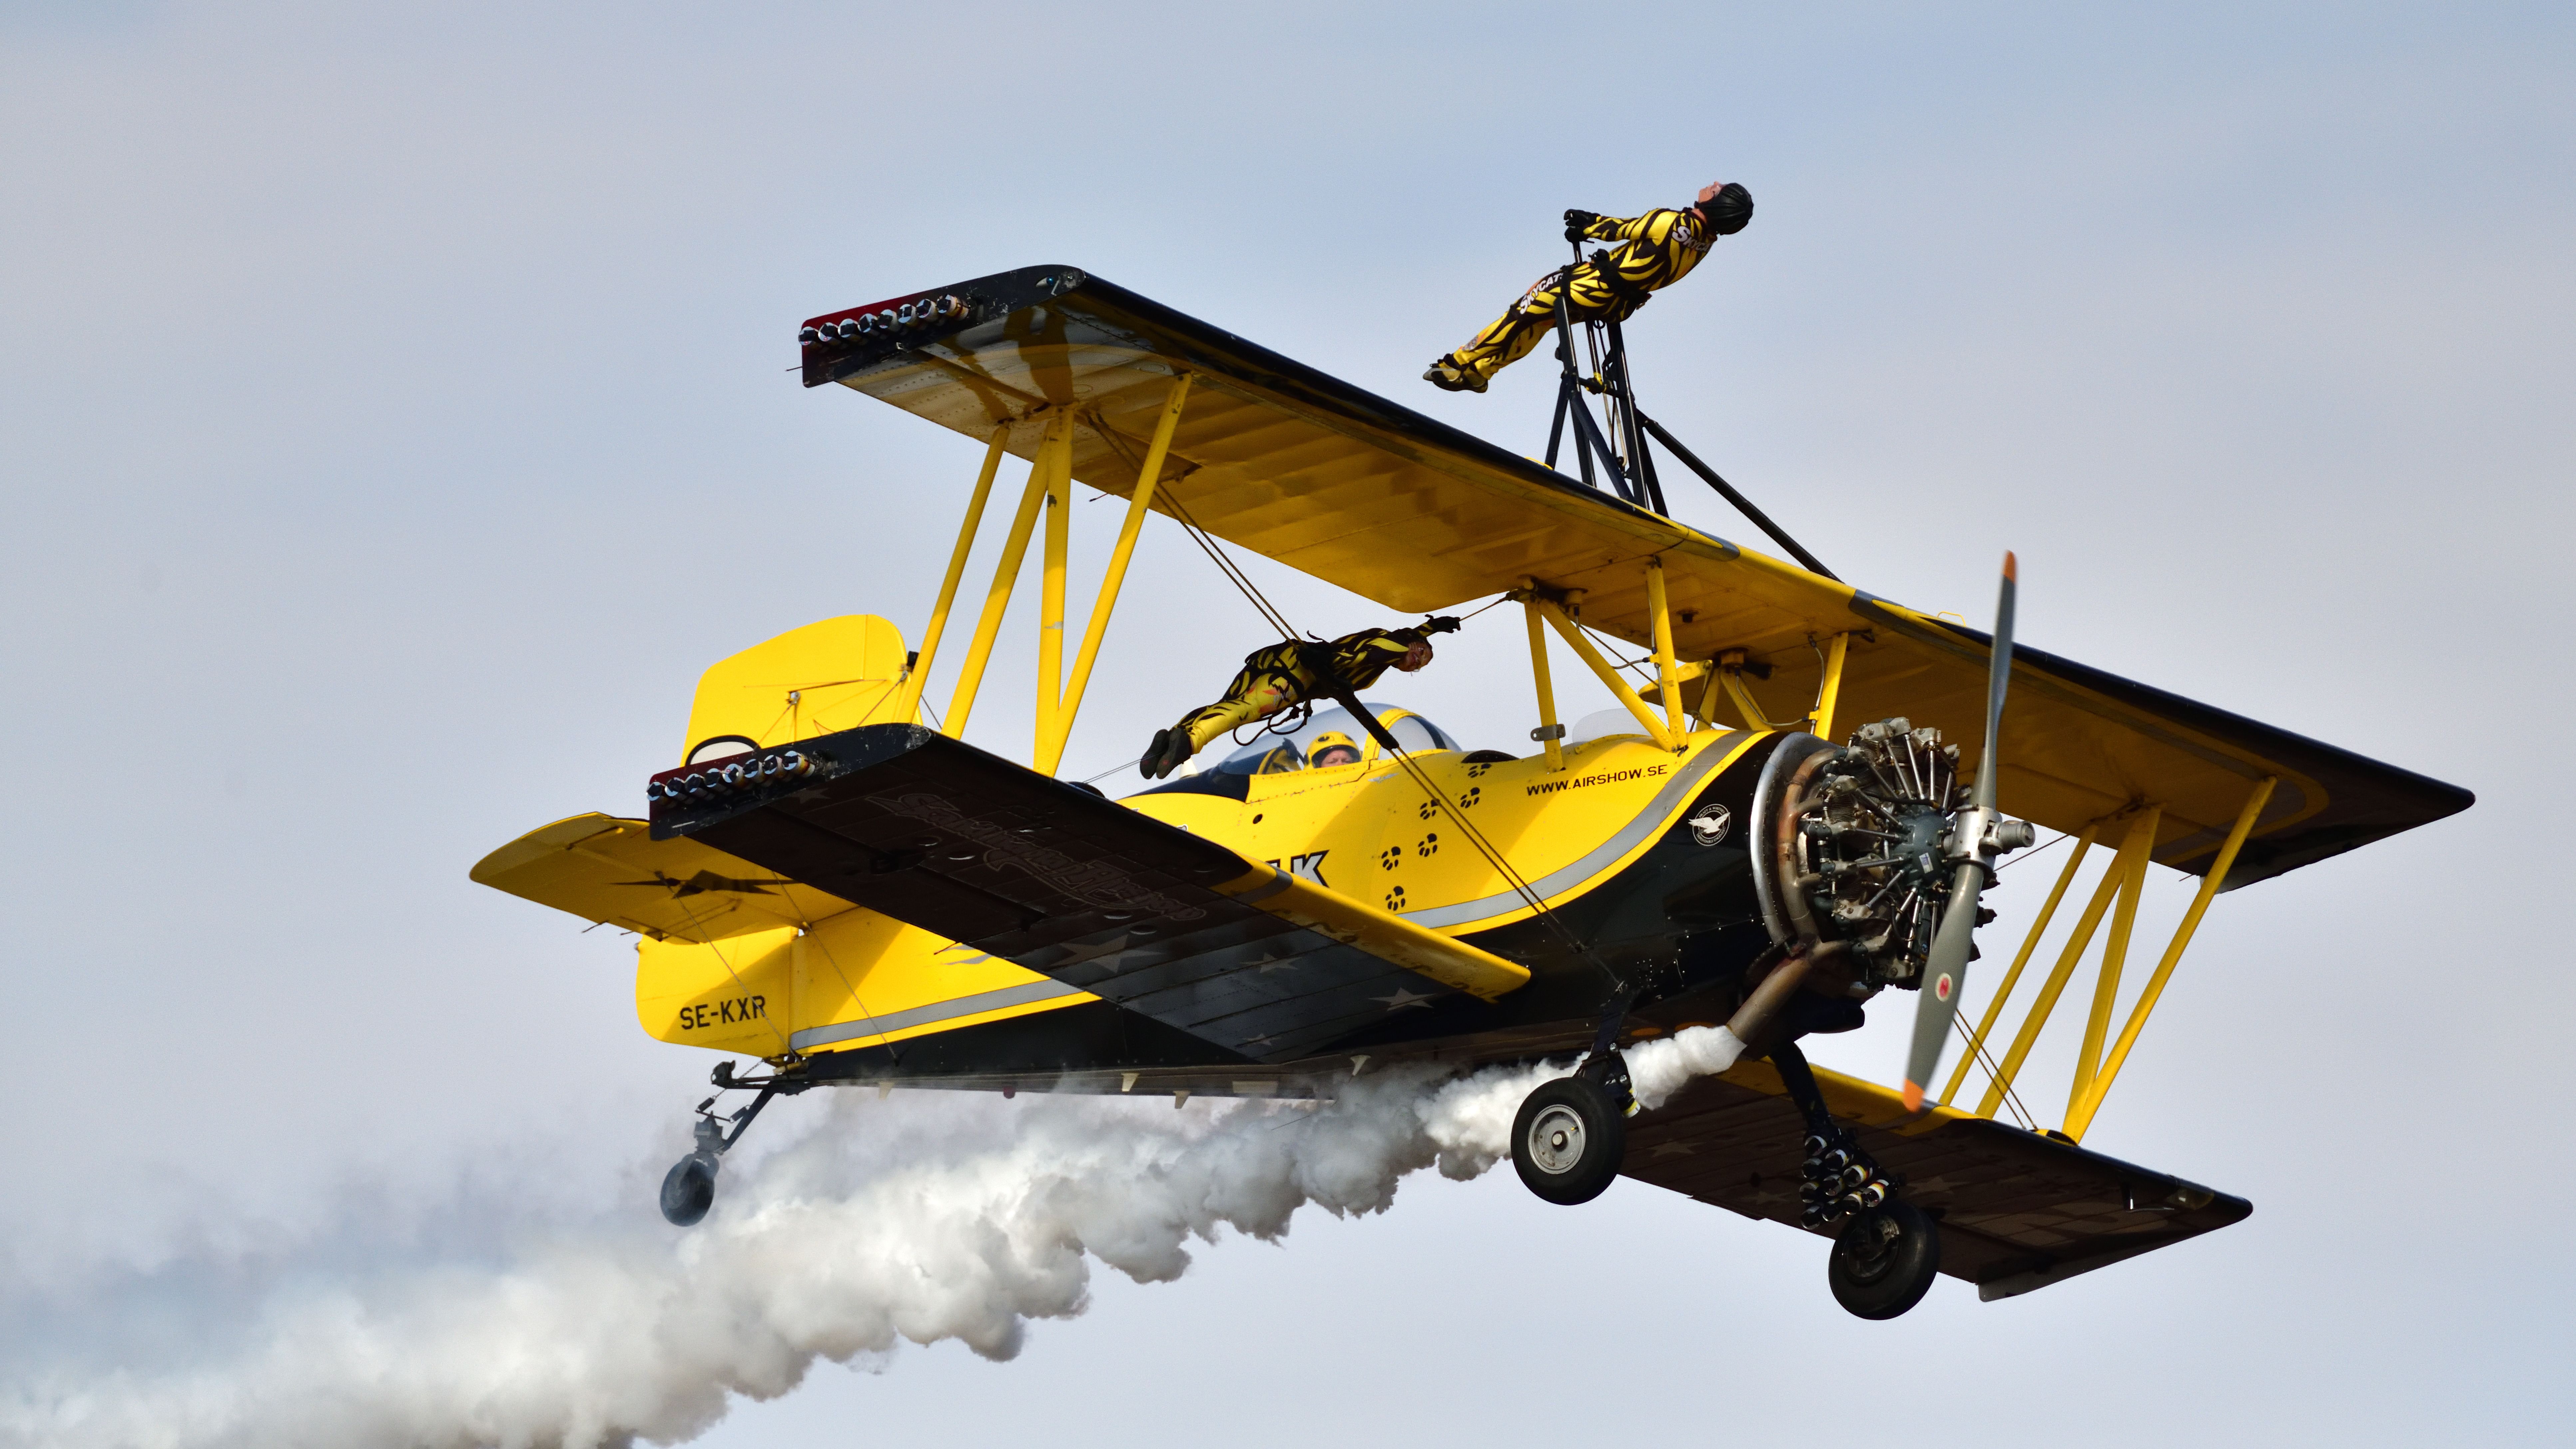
<point>856,897</point>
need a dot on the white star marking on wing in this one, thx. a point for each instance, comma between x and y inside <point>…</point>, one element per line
<point>1080,954</point>
<point>1403,998</point>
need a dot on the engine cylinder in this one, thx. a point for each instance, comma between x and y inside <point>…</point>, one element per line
<point>1851,844</point>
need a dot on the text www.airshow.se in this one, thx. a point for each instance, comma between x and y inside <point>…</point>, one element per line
<point>1550,787</point>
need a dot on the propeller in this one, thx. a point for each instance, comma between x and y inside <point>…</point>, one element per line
<point>1977,835</point>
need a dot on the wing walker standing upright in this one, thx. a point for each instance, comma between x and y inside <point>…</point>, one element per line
<point>1601,292</point>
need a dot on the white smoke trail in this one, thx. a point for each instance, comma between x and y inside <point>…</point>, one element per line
<point>920,1223</point>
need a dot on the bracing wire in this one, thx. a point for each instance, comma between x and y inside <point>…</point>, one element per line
<point>1520,886</point>
<point>691,916</point>
<point>1639,663</point>
<point>2027,854</point>
<point>2012,1098</point>
<point>1233,573</point>
<point>1475,837</point>
<point>892,1050</point>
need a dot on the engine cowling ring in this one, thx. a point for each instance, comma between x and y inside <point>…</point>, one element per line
<point>1771,796</point>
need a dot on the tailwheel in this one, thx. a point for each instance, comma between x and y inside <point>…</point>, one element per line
<point>1884,1260</point>
<point>1569,1139</point>
<point>689,1189</point>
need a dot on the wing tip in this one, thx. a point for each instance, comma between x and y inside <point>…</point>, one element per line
<point>2012,569</point>
<point>1913,1096</point>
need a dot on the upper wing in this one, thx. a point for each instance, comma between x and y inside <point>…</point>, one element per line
<point>2017,1211</point>
<point>608,870</point>
<point>1054,878</point>
<point>1306,469</point>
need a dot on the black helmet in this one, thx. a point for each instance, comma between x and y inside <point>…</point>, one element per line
<point>1728,210</point>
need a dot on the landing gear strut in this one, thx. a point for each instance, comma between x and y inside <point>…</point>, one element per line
<point>1840,1178</point>
<point>689,1188</point>
<point>1889,1250</point>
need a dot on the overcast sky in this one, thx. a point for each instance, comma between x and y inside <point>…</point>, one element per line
<point>399,415</point>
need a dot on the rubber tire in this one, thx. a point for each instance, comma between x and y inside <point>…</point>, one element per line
<point>1605,1141</point>
<point>1886,1284</point>
<point>688,1190</point>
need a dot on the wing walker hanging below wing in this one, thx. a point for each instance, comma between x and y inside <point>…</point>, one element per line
<point>832,880</point>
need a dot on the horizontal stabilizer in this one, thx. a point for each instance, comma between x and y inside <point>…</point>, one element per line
<point>612,871</point>
<point>1053,877</point>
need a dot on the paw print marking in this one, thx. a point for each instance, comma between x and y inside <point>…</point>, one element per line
<point>1393,857</point>
<point>1430,845</point>
<point>1425,809</point>
<point>1395,899</point>
<point>1477,772</point>
<point>1474,794</point>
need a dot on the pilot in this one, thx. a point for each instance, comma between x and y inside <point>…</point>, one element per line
<point>1282,675</point>
<point>1331,748</point>
<point>1656,250</point>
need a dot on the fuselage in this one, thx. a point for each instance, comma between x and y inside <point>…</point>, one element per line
<point>1638,855</point>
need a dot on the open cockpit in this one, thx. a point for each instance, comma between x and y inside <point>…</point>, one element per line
<point>1328,739</point>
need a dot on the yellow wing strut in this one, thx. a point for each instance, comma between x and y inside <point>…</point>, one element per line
<point>1601,669</point>
<point>2012,978</point>
<point>1549,731</point>
<point>2132,860</point>
<point>1051,748</point>
<point>908,703</point>
<point>2080,1116</point>
<point>1054,455</point>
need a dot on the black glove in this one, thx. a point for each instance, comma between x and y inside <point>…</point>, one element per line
<point>1445,624</point>
<point>1576,221</point>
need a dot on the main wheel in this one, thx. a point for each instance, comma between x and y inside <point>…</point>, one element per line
<point>688,1190</point>
<point>1884,1260</point>
<point>1569,1140</point>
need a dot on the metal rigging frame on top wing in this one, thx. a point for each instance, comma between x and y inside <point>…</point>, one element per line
<point>1620,446</point>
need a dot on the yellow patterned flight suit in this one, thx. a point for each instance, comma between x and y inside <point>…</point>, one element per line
<point>1659,249</point>
<point>1277,677</point>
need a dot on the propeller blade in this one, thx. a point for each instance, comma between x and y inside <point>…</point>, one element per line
<point>1998,678</point>
<point>1944,973</point>
<point>1945,968</point>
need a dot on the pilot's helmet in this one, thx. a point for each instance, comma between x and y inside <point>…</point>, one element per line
<point>1327,742</point>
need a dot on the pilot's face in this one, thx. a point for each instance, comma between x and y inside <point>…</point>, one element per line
<point>1337,755</point>
<point>1414,658</point>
